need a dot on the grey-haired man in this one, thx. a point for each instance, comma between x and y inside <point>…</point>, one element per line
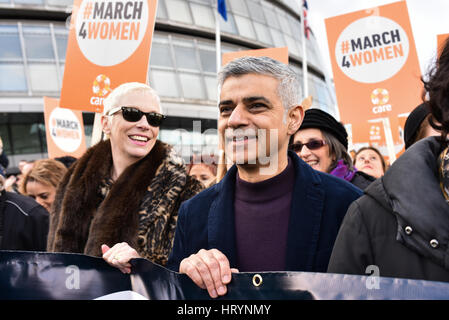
<point>272,211</point>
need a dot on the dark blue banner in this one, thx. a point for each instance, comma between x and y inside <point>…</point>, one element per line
<point>48,276</point>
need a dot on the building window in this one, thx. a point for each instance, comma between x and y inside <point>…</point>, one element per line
<point>211,87</point>
<point>263,34</point>
<point>203,16</point>
<point>228,26</point>
<point>38,43</point>
<point>185,57</point>
<point>208,60</point>
<point>256,11</point>
<point>12,77</point>
<point>29,1</point>
<point>61,37</point>
<point>161,10</point>
<point>10,48</point>
<point>178,10</point>
<point>239,6</point>
<point>245,27</point>
<point>28,137</point>
<point>39,71</point>
<point>160,55</point>
<point>164,82</point>
<point>278,38</point>
<point>192,86</point>
<point>60,3</point>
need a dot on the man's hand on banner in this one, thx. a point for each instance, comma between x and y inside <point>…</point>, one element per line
<point>208,269</point>
<point>119,256</point>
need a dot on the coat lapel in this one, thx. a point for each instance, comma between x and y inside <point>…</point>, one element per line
<point>221,228</point>
<point>305,217</point>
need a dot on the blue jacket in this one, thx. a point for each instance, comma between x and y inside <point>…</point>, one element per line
<point>319,204</point>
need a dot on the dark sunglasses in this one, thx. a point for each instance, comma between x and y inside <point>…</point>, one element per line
<point>311,145</point>
<point>133,115</point>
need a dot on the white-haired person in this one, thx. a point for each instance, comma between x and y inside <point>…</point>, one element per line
<point>120,200</point>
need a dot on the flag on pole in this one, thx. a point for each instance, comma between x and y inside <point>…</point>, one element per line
<point>304,35</point>
<point>222,9</point>
<point>305,7</point>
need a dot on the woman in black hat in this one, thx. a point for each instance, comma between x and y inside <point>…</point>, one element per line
<point>322,142</point>
<point>417,126</point>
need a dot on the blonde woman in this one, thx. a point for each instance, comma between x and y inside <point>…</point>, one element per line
<point>42,181</point>
<point>120,200</point>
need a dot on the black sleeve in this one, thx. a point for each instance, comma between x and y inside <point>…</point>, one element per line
<point>4,161</point>
<point>178,251</point>
<point>352,252</point>
<point>37,228</point>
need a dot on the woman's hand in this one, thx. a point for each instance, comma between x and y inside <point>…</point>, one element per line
<point>119,255</point>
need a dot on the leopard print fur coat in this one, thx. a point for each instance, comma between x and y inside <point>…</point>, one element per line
<point>140,207</point>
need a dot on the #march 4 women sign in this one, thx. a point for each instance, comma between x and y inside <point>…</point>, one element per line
<point>376,71</point>
<point>109,44</point>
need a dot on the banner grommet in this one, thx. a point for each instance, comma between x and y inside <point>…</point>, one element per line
<point>257,280</point>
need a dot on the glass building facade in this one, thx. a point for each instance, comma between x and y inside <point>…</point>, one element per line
<point>33,41</point>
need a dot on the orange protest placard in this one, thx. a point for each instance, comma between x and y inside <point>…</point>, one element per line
<point>280,54</point>
<point>109,44</point>
<point>64,130</point>
<point>376,70</point>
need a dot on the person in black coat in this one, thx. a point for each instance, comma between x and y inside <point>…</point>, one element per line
<point>401,224</point>
<point>23,222</point>
<point>4,161</point>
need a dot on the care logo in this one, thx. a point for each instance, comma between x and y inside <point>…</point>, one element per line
<point>65,129</point>
<point>103,27</point>
<point>380,98</point>
<point>101,88</point>
<point>372,49</point>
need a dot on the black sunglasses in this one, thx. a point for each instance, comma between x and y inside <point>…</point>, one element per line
<point>133,115</point>
<point>311,145</point>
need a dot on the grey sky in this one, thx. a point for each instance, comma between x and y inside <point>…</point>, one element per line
<point>427,17</point>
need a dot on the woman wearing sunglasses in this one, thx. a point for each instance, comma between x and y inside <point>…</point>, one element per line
<point>120,200</point>
<point>322,142</point>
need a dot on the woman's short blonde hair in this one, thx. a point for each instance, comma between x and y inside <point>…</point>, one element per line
<point>48,171</point>
<point>114,97</point>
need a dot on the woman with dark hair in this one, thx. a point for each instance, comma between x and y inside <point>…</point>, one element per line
<point>370,161</point>
<point>322,142</point>
<point>401,224</point>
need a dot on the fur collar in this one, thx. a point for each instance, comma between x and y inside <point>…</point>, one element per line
<point>81,220</point>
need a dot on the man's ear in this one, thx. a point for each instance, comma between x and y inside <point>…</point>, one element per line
<point>106,124</point>
<point>294,119</point>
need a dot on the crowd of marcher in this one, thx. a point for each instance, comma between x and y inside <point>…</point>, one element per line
<point>293,201</point>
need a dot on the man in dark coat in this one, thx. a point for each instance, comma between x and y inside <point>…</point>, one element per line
<point>23,222</point>
<point>272,211</point>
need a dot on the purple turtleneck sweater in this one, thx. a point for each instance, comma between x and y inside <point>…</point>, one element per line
<point>262,212</point>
